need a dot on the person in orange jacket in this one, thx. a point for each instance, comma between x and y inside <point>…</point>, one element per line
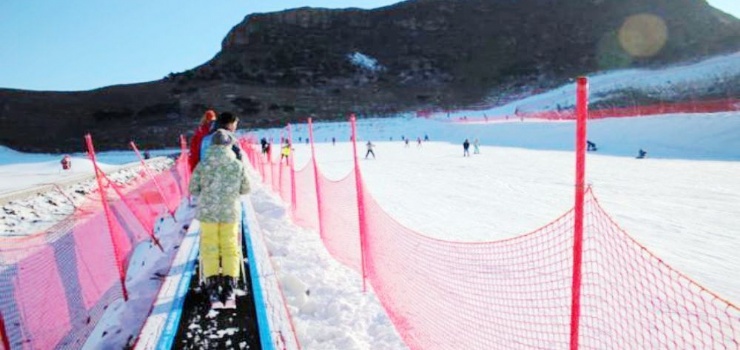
<point>204,128</point>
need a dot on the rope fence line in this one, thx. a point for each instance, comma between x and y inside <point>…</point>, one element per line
<point>517,292</point>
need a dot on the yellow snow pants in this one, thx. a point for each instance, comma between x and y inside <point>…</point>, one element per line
<point>219,240</point>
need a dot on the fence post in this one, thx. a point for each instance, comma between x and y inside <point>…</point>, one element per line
<point>108,215</point>
<point>156,183</point>
<point>581,115</point>
<point>4,341</point>
<point>292,172</point>
<point>279,188</point>
<point>316,178</point>
<point>186,167</point>
<point>272,169</point>
<point>146,225</point>
<point>360,199</point>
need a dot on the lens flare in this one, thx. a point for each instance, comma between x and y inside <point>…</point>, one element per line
<point>643,35</point>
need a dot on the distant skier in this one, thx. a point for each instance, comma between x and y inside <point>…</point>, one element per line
<point>406,143</point>
<point>466,146</point>
<point>370,151</point>
<point>426,137</point>
<point>418,142</point>
<point>333,141</point>
<point>66,162</point>
<point>263,143</point>
<point>641,154</point>
<point>285,152</point>
<point>476,146</point>
<point>147,155</point>
<point>590,146</point>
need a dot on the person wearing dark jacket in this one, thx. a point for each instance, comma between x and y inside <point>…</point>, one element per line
<point>641,154</point>
<point>226,121</point>
<point>590,146</point>
<point>263,143</point>
<point>466,146</point>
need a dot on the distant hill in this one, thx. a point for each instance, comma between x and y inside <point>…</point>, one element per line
<point>283,66</point>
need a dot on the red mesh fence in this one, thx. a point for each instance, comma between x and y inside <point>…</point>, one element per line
<point>632,298</point>
<point>713,106</point>
<point>516,293</point>
<point>306,211</point>
<point>489,295</point>
<point>274,167</point>
<point>339,217</point>
<point>284,182</point>
<point>56,285</point>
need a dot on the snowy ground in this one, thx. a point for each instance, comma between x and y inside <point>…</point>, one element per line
<point>65,190</point>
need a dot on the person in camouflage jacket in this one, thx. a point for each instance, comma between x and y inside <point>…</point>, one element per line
<point>219,179</point>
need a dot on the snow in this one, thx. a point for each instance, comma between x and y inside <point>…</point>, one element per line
<point>59,191</point>
<point>673,81</point>
<point>364,61</point>
<point>681,202</point>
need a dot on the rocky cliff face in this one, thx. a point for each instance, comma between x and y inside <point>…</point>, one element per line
<point>278,67</point>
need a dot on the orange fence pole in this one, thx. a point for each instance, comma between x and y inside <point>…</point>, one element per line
<point>360,200</point>
<point>3,337</point>
<point>316,177</point>
<point>582,115</point>
<point>108,215</point>
<point>156,183</point>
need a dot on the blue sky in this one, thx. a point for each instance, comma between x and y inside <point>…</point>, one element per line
<point>86,44</point>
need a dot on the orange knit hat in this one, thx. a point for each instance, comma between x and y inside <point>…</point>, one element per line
<point>208,117</point>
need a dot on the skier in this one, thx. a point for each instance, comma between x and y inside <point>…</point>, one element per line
<point>219,179</point>
<point>285,152</point>
<point>641,154</point>
<point>418,142</point>
<point>370,146</point>
<point>205,127</point>
<point>333,140</point>
<point>476,146</point>
<point>590,146</point>
<point>66,162</point>
<point>263,145</point>
<point>466,146</point>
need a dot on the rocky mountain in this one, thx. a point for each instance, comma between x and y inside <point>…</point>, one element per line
<point>285,66</point>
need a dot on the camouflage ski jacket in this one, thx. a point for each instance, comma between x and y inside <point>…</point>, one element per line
<point>219,180</point>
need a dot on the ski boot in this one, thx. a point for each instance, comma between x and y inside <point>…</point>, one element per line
<point>228,292</point>
<point>213,292</point>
